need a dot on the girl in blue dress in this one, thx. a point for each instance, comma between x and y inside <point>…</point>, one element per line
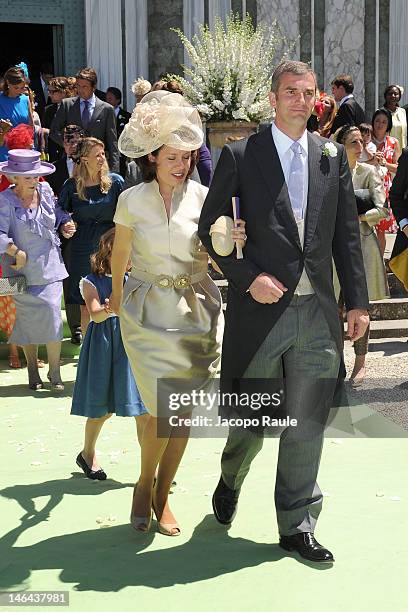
<point>104,384</point>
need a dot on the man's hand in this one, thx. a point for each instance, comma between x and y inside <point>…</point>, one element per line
<point>21,260</point>
<point>266,289</point>
<point>405,230</point>
<point>357,323</point>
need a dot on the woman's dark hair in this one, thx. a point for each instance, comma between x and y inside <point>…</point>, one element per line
<point>342,134</point>
<point>100,261</point>
<point>387,89</point>
<point>13,76</point>
<point>383,111</point>
<point>148,168</point>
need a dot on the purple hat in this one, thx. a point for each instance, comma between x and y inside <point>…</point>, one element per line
<point>26,162</point>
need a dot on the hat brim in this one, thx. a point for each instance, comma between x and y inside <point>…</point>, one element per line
<point>44,169</point>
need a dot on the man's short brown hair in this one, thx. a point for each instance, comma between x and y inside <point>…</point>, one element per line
<point>88,74</point>
<point>291,67</point>
<point>344,80</point>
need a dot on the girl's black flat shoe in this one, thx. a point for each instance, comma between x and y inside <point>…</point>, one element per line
<point>89,473</point>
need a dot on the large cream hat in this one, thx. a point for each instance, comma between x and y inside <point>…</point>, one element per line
<point>161,118</point>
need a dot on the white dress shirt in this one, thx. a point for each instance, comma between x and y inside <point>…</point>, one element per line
<point>285,154</point>
<point>70,166</point>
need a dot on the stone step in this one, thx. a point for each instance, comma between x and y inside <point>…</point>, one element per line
<point>394,328</point>
<point>392,309</point>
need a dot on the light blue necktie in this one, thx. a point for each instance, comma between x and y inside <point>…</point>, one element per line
<point>86,114</point>
<point>296,184</point>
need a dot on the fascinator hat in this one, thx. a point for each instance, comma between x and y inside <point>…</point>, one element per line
<point>161,118</point>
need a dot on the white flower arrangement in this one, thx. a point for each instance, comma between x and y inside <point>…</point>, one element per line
<point>231,71</point>
<point>330,150</point>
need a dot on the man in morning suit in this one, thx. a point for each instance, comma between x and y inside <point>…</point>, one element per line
<point>349,111</point>
<point>40,85</point>
<point>297,199</point>
<point>90,113</point>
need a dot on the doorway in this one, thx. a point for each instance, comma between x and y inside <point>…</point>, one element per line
<point>33,44</point>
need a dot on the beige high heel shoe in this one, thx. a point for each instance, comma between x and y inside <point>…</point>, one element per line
<point>167,529</point>
<point>140,523</point>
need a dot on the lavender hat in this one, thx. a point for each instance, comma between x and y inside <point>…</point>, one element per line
<point>25,162</point>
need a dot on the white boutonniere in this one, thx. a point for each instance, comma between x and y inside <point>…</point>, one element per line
<point>330,150</point>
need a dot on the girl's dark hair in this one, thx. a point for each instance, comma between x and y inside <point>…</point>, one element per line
<point>342,134</point>
<point>383,111</point>
<point>148,168</point>
<point>365,128</point>
<point>100,261</point>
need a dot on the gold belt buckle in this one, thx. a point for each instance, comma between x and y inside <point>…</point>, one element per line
<point>163,281</point>
<point>182,281</point>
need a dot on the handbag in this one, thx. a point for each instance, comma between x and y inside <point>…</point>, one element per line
<point>367,210</point>
<point>13,285</point>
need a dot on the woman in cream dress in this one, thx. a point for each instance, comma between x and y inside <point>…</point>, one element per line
<point>368,186</point>
<point>170,313</point>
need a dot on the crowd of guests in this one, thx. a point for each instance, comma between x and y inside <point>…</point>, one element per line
<point>51,114</point>
<point>373,150</point>
<point>59,233</point>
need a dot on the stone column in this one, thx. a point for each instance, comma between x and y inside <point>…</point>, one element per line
<point>344,43</point>
<point>165,48</point>
<point>287,16</point>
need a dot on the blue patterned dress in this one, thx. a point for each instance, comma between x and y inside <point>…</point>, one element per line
<point>104,381</point>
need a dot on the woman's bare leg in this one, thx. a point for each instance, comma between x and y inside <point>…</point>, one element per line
<point>168,467</point>
<point>152,449</point>
<point>140,426</point>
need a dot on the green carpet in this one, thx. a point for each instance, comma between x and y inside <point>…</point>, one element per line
<point>61,531</point>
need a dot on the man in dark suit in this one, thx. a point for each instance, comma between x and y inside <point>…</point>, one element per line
<point>90,113</point>
<point>58,89</point>
<point>297,199</point>
<point>63,170</point>
<point>114,97</point>
<point>349,111</point>
<point>40,87</point>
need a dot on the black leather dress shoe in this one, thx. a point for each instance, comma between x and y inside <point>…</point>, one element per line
<point>307,546</point>
<point>92,474</point>
<point>76,337</point>
<point>224,503</point>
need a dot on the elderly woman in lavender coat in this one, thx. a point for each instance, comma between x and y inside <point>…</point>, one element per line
<point>30,246</point>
